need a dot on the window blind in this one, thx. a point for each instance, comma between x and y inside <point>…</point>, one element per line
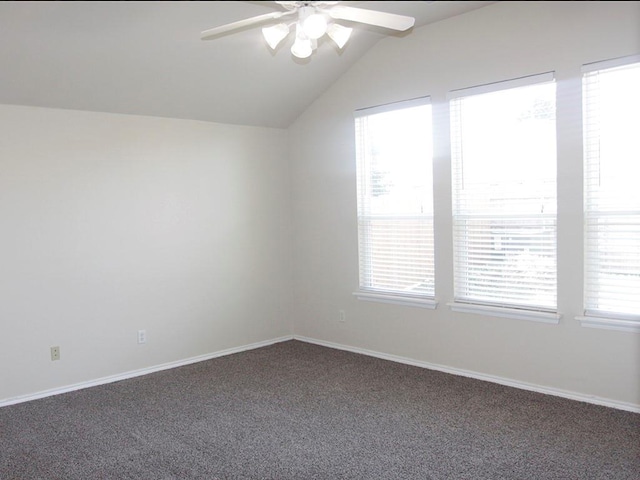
<point>611,105</point>
<point>503,140</point>
<point>395,198</point>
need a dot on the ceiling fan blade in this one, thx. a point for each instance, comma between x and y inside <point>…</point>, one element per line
<point>372,17</point>
<point>217,31</point>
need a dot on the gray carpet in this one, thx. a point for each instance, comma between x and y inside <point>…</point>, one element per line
<point>300,411</point>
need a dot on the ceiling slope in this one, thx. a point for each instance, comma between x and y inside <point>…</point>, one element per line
<point>147,58</point>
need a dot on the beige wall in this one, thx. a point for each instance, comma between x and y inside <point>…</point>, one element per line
<point>114,223</point>
<point>503,41</point>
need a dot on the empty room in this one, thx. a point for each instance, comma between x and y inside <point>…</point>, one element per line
<point>320,240</point>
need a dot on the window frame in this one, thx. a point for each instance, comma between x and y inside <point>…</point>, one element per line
<point>477,306</point>
<point>594,318</point>
<point>382,295</point>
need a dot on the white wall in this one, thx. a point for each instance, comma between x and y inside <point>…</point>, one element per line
<point>505,40</point>
<point>114,223</point>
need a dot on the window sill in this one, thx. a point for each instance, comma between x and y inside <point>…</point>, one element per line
<point>396,299</point>
<point>530,315</point>
<point>610,324</point>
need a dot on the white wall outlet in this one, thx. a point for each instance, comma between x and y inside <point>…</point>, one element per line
<point>342,316</point>
<point>55,353</point>
<point>142,336</point>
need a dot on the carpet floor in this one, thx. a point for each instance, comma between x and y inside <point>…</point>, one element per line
<point>299,411</point>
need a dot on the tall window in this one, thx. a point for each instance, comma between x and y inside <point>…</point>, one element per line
<point>395,200</point>
<point>611,96</point>
<point>504,194</point>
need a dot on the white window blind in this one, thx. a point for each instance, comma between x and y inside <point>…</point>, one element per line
<point>611,104</point>
<point>395,198</point>
<point>503,139</point>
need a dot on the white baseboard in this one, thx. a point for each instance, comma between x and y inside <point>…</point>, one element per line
<point>394,358</point>
<point>140,372</point>
<point>630,407</point>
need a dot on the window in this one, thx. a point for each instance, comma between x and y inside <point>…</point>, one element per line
<point>503,139</point>
<point>611,99</point>
<point>395,203</point>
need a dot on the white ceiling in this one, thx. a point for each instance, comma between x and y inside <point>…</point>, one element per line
<point>146,58</point>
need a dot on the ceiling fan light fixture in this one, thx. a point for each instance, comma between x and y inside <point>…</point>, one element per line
<point>315,26</point>
<point>275,34</point>
<point>313,21</point>
<point>339,34</point>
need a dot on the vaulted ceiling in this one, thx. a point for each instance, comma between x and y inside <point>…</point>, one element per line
<point>147,58</point>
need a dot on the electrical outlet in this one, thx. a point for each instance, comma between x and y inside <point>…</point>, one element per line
<point>142,336</point>
<point>342,316</point>
<point>55,353</point>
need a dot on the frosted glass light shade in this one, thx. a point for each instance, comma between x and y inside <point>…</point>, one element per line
<point>302,48</point>
<point>315,26</point>
<point>339,34</point>
<point>275,34</point>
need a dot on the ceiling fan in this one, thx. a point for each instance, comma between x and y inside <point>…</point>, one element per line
<point>313,20</point>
